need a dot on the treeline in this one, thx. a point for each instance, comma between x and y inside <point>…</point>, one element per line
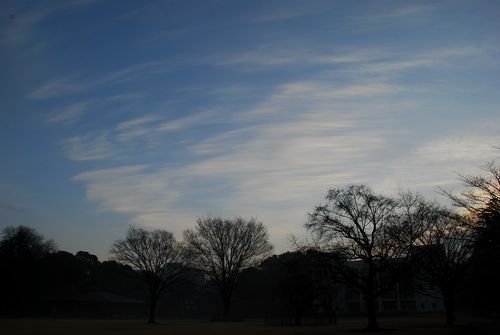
<point>35,274</point>
<point>224,268</point>
<point>39,281</point>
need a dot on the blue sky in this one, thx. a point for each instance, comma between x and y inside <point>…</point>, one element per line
<point>154,113</point>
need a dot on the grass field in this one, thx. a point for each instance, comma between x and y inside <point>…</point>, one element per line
<point>426,326</point>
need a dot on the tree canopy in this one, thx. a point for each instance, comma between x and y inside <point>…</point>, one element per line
<point>377,230</point>
<point>222,248</point>
<point>157,255</point>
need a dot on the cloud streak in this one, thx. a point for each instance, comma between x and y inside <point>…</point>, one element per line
<point>347,120</point>
<point>90,147</point>
<point>61,86</point>
<point>249,170</point>
<point>69,113</point>
<point>292,10</point>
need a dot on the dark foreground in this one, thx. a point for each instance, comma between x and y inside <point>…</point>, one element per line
<point>426,326</point>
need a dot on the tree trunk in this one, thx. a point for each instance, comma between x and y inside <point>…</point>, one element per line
<point>372,312</point>
<point>226,290</point>
<point>449,306</point>
<point>371,300</point>
<point>226,302</point>
<point>152,308</point>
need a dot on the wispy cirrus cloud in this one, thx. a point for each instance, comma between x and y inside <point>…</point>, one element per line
<point>97,146</point>
<point>139,134</point>
<point>348,123</point>
<point>405,11</point>
<point>249,170</point>
<point>317,89</point>
<point>137,190</point>
<point>397,13</point>
<point>361,62</point>
<point>222,142</point>
<point>69,113</point>
<point>291,10</point>
<point>279,171</point>
<point>455,148</point>
<point>136,122</point>
<point>278,168</point>
<point>56,87</point>
<point>131,129</point>
<point>352,63</point>
<point>127,96</point>
<point>61,86</point>
<point>268,56</point>
<point>191,120</point>
<point>437,161</point>
<point>437,58</point>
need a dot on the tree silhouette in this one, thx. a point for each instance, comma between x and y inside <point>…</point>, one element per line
<point>22,252</point>
<point>482,194</point>
<point>359,225</point>
<point>305,282</point>
<point>222,248</point>
<point>22,241</point>
<point>481,200</point>
<point>443,253</point>
<point>158,257</point>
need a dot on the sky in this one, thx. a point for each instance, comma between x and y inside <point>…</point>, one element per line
<point>155,113</point>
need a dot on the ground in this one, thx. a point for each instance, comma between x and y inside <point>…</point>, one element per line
<point>409,326</point>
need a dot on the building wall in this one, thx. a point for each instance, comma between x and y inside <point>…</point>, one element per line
<point>405,297</point>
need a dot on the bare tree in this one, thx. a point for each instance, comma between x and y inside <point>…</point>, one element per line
<point>157,255</point>
<point>365,227</point>
<point>442,255</point>
<point>481,200</point>
<point>222,248</point>
<point>482,194</point>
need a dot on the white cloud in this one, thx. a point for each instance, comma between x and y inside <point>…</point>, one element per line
<point>278,171</point>
<point>61,86</point>
<point>131,189</point>
<point>405,12</point>
<point>271,56</point>
<point>149,196</point>
<point>69,113</point>
<point>90,147</point>
<point>274,176</point>
<point>438,58</point>
<point>222,142</point>
<point>327,90</point>
<point>56,87</point>
<point>459,148</point>
<point>127,96</point>
<point>290,10</point>
<point>276,159</point>
<point>189,121</point>
<point>127,138</point>
<point>136,122</point>
<point>279,154</point>
<point>436,162</point>
<point>129,130</point>
<point>350,63</point>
